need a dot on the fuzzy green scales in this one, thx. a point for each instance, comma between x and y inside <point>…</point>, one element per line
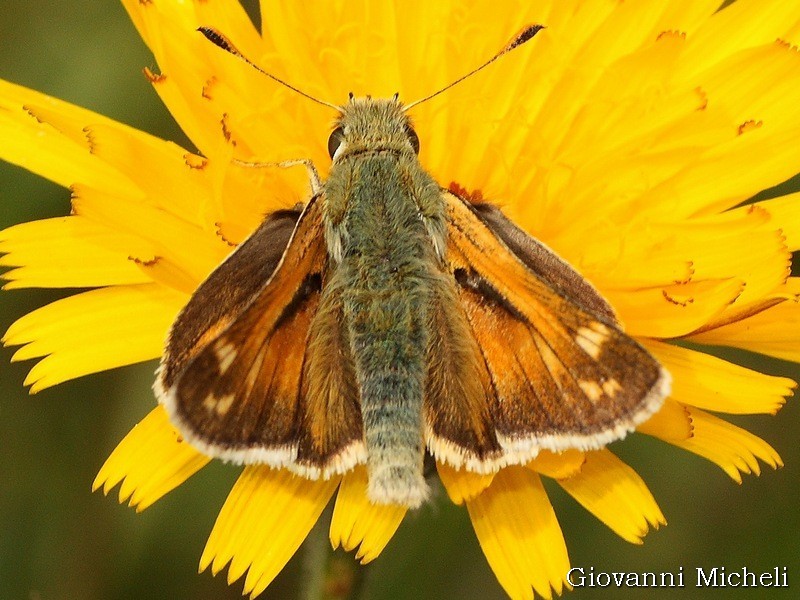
<point>385,227</point>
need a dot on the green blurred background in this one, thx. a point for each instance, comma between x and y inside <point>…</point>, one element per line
<point>60,541</point>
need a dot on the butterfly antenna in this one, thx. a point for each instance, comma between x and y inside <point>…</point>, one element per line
<point>219,40</point>
<point>523,36</point>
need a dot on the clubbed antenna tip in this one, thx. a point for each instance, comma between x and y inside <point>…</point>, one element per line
<point>219,40</point>
<point>523,36</point>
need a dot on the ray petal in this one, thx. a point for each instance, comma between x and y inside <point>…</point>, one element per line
<point>266,517</point>
<point>774,331</point>
<point>462,485</point>
<point>150,461</point>
<point>733,449</point>
<point>615,494</point>
<point>66,252</point>
<point>707,382</point>
<point>358,523</point>
<point>519,534</point>
<point>94,331</point>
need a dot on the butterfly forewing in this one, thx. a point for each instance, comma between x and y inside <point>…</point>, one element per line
<point>241,395</point>
<point>561,373</point>
<point>226,292</point>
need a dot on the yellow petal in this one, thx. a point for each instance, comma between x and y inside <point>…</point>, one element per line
<point>462,485</point>
<point>209,141</point>
<point>357,523</point>
<point>42,149</point>
<point>671,423</point>
<point>774,332</point>
<point>736,313</point>
<point>614,116</point>
<point>66,118</point>
<point>687,16</point>
<point>649,254</point>
<point>627,28</point>
<point>164,176</point>
<point>617,118</point>
<point>150,461</point>
<point>558,465</point>
<point>94,331</point>
<point>637,143</point>
<point>180,12</point>
<point>223,104</point>
<point>191,249</point>
<point>674,310</point>
<point>266,517</point>
<point>755,86</point>
<point>785,215</point>
<point>519,534</point>
<point>244,210</point>
<point>739,26</point>
<point>70,252</point>
<point>776,150</point>
<point>732,448</point>
<point>170,30</point>
<point>711,383</point>
<point>615,494</point>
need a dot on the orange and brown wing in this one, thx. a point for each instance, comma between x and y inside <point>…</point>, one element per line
<point>226,292</point>
<point>555,370</point>
<point>238,392</point>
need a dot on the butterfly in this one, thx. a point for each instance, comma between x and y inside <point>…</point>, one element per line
<point>390,318</point>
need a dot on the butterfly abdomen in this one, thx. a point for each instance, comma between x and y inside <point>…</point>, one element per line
<point>386,278</point>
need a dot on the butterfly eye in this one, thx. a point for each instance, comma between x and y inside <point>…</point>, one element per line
<point>336,139</point>
<point>412,139</point>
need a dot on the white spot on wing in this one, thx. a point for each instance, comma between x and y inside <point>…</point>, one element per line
<point>592,338</point>
<point>226,354</point>
<point>611,387</point>
<point>592,389</point>
<point>218,405</point>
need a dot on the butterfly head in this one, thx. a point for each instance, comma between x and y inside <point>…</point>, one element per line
<point>372,125</point>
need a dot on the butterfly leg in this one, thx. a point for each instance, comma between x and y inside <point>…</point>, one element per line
<point>313,175</point>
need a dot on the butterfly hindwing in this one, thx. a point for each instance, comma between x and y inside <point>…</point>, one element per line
<point>243,393</point>
<point>460,428</point>
<point>330,435</point>
<point>560,373</point>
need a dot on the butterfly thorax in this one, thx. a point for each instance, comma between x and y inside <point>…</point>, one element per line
<point>384,230</point>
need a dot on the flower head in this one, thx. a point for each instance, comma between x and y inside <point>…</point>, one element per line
<point>627,137</point>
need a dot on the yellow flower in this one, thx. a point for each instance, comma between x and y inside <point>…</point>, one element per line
<point>626,137</point>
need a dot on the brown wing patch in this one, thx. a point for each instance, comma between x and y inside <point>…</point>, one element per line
<point>241,392</point>
<point>561,376</point>
<point>240,396</point>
